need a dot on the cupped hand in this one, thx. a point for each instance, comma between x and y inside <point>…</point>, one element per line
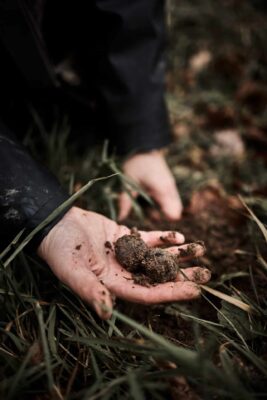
<point>152,173</point>
<point>79,250</point>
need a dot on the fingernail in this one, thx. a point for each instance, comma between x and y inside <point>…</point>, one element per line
<point>206,274</point>
<point>106,315</point>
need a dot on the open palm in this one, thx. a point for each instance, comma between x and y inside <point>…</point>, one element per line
<point>79,250</point>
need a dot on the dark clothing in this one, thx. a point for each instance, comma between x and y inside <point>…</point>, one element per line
<point>117,48</point>
<point>28,192</point>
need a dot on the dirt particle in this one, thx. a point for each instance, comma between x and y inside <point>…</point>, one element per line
<point>169,238</point>
<point>78,247</point>
<point>190,251</point>
<point>107,252</point>
<point>135,232</point>
<point>198,276</point>
<point>108,245</point>
<point>142,279</point>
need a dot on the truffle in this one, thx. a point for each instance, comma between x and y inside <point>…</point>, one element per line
<point>148,265</point>
<point>160,266</point>
<point>130,251</point>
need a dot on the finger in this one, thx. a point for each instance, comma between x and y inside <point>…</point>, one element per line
<point>89,288</point>
<point>125,204</point>
<point>196,274</point>
<point>169,201</point>
<point>187,251</point>
<point>158,238</point>
<point>103,310</point>
<point>164,292</point>
<point>122,285</point>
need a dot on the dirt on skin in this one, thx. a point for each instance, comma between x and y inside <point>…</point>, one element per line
<point>148,265</point>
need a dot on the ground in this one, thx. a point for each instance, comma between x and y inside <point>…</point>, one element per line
<point>54,347</point>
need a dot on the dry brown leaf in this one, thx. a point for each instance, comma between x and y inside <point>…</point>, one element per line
<point>228,143</point>
<point>180,130</point>
<point>199,61</point>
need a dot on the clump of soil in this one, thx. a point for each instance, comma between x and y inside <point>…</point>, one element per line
<point>130,251</point>
<point>148,265</point>
<point>160,266</point>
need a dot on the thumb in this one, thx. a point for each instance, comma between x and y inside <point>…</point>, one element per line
<point>97,294</point>
<point>169,201</point>
<point>86,284</point>
<point>101,300</point>
<point>125,204</point>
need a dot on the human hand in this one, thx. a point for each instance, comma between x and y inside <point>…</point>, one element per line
<point>79,250</point>
<point>152,173</point>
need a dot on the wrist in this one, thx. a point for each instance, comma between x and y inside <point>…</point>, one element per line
<point>154,153</point>
<point>44,244</point>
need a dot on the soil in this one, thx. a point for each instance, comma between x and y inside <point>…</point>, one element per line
<point>148,265</point>
<point>229,251</point>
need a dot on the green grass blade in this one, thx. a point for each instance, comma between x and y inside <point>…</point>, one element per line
<point>135,388</point>
<point>227,364</point>
<point>51,330</point>
<point>47,358</point>
<point>188,359</point>
<point>19,377</point>
<point>9,247</point>
<point>256,219</point>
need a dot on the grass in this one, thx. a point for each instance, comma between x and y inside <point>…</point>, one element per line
<point>52,344</point>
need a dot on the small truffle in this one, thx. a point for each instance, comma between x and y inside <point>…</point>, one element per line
<point>130,251</point>
<point>160,266</point>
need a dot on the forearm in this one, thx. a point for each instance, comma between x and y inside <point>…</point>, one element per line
<point>28,192</point>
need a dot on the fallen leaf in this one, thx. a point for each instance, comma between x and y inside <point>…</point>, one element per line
<point>228,142</point>
<point>180,130</point>
<point>199,61</point>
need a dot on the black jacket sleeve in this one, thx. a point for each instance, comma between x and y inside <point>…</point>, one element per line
<point>125,42</point>
<point>130,39</point>
<point>28,192</point>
